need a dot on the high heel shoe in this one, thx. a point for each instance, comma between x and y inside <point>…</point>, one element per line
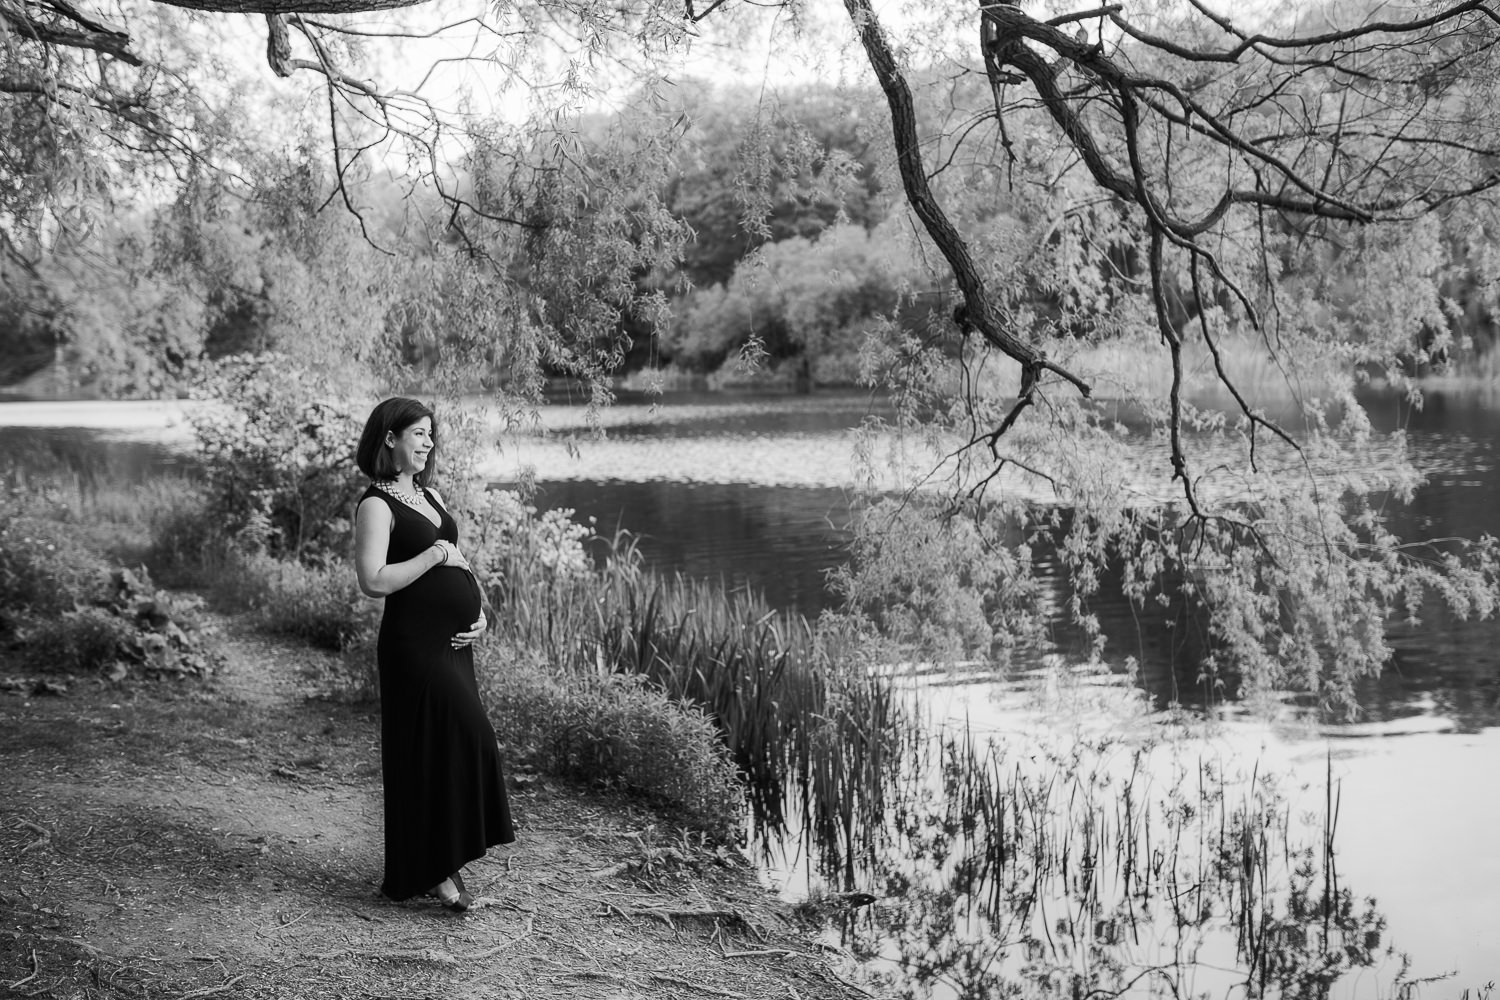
<point>459,902</point>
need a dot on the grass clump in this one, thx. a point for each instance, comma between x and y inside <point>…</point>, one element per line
<point>319,603</point>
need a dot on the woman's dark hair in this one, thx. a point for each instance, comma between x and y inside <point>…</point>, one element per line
<point>394,416</point>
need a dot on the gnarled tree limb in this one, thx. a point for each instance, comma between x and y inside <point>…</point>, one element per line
<point>979,312</point>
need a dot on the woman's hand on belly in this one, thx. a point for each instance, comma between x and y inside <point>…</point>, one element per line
<point>455,556</point>
<point>468,638</point>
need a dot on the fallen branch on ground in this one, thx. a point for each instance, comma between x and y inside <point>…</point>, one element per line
<point>610,909</point>
<point>50,939</point>
<point>667,916</point>
<point>492,952</point>
<point>661,977</point>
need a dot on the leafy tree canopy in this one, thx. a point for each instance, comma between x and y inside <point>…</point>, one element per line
<point>758,168</point>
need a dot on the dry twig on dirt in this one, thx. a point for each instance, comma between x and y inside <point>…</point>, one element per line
<point>42,841</point>
<point>209,991</point>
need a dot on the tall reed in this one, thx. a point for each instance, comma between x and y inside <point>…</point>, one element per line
<point>799,724</point>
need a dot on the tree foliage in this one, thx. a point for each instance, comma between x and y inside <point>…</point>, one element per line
<point>816,300</point>
<point>1308,183</point>
<point>755,170</point>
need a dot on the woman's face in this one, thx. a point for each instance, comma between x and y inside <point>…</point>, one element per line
<point>410,448</point>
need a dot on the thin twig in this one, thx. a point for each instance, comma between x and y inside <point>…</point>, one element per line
<point>492,952</point>
<point>42,841</point>
<point>295,919</point>
<point>211,990</point>
<point>662,977</point>
<point>35,968</point>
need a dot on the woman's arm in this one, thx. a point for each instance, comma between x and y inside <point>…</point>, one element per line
<point>372,539</point>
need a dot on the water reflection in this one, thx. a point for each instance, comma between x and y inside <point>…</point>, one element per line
<point>91,457</point>
<point>784,540</point>
<point>781,541</point>
<point>1107,867</point>
<point>752,526</point>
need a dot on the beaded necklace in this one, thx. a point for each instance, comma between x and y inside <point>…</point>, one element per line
<point>413,499</point>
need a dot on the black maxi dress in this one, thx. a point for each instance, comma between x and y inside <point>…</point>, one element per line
<point>445,801</point>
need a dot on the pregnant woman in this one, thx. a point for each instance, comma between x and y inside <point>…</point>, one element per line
<point>445,802</point>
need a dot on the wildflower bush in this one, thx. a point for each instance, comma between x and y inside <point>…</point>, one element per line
<point>45,571</point>
<point>278,457</point>
<point>512,545</point>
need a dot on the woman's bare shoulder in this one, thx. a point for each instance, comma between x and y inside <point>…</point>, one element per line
<point>372,505</point>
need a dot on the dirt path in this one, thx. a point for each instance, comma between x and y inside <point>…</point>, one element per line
<point>179,842</point>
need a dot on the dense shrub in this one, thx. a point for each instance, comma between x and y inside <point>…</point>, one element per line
<point>82,641</point>
<point>139,630</point>
<point>188,548</point>
<point>278,457</point>
<point>317,601</point>
<point>613,728</point>
<point>815,299</point>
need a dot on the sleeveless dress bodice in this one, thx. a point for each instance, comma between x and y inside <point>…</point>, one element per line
<point>446,597</point>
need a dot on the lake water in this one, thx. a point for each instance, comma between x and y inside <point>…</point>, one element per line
<point>755,492</point>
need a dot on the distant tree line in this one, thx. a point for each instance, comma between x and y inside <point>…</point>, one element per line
<point>133,303</point>
<point>790,255</point>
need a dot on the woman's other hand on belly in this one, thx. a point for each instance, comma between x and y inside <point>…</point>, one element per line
<point>468,638</point>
